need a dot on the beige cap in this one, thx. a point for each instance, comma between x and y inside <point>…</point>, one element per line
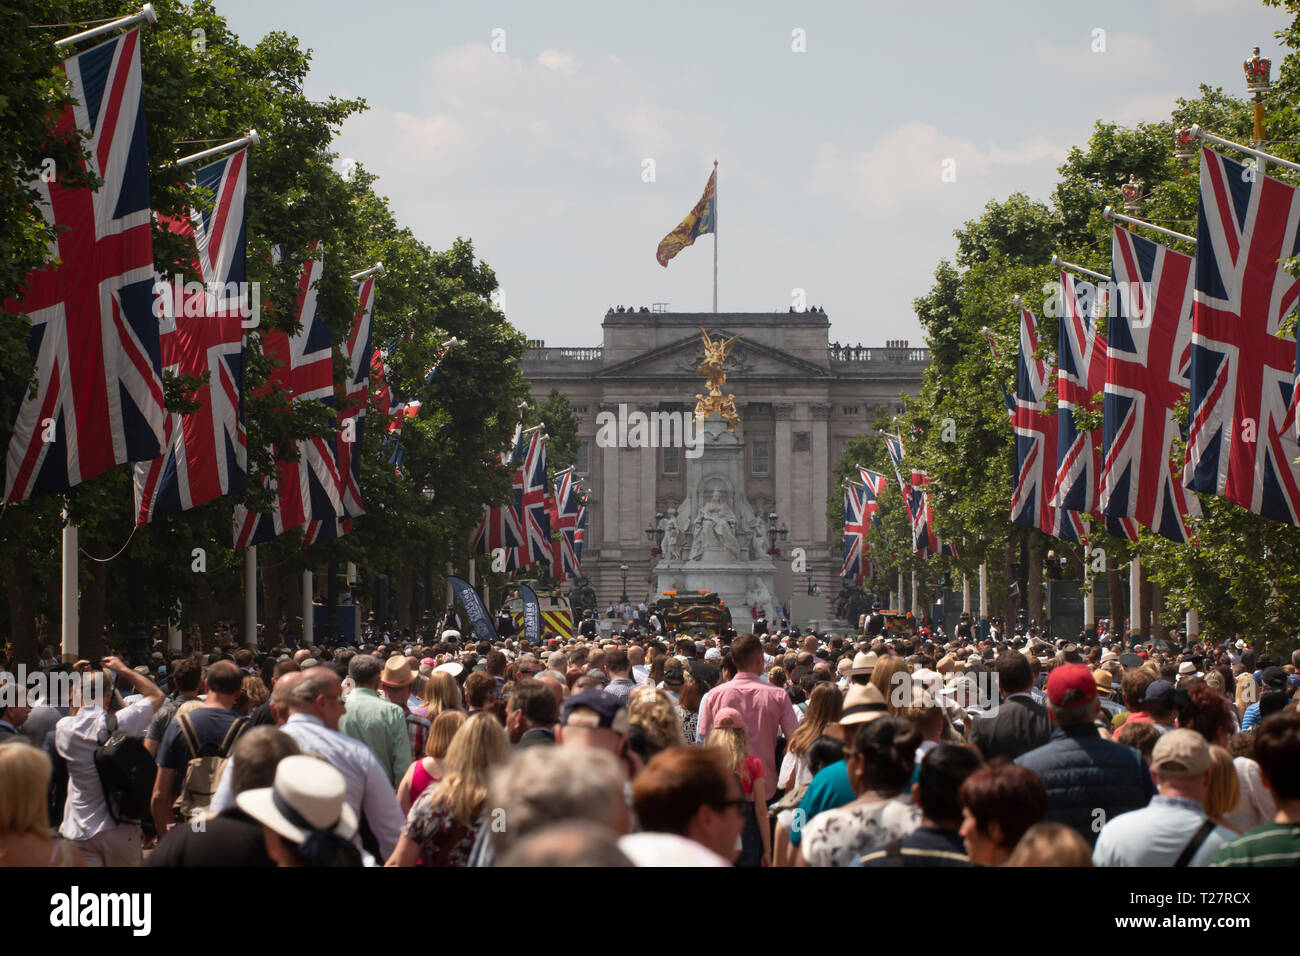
<point>1181,753</point>
<point>864,663</point>
<point>863,703</point>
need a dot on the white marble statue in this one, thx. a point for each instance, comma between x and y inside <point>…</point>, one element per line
<point>715,529</point>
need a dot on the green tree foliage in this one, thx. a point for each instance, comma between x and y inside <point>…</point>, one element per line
<point>1240,573</point>
<point>202,85</point>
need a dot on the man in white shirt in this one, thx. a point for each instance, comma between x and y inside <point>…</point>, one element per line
<point>308,706</point>
<point>87,822</point>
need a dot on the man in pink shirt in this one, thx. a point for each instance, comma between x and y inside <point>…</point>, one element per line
<point>766,710</point>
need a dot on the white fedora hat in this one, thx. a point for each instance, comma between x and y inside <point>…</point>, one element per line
<point>308,795</point>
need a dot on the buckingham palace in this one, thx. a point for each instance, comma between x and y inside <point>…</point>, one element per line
<point>800,397</point>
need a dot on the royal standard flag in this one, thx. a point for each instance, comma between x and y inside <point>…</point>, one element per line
<point>701,221</point>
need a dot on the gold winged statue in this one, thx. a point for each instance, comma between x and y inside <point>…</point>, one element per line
<point>715,353</point>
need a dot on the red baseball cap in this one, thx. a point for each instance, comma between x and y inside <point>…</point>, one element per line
<point>1070,685</point>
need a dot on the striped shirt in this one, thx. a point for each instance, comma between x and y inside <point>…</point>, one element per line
<point>1273,844</point>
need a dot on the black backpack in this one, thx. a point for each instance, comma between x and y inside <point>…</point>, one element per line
<point>126,772</point>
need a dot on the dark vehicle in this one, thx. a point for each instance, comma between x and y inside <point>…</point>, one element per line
<point>687,610</point>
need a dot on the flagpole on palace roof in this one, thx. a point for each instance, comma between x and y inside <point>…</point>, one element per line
<point>715,237</point>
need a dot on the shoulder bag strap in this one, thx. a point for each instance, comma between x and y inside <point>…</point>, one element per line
<point>237,727</point>
<point>1194,844</point>
<point>188,732</point>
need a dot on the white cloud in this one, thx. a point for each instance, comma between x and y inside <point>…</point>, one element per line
<point>558,60</point>
<point>908,165</point>
<point>1126,56</point>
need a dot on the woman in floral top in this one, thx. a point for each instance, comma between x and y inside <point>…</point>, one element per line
<point>880,760</point>
<point>439,829</point>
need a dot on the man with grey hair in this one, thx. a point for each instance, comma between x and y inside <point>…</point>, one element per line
<point>557,683</point>
<point>541,786</point>
<point>576,843</point>
<point>558,661</point>
<point>314,703</point>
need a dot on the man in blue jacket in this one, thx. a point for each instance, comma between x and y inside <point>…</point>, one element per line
<point>1089,779</point>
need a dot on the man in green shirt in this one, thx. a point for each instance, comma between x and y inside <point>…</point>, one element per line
<point>377,723</point>
<point>1277,751</point>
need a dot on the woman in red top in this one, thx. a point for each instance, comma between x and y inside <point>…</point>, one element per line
<point>428,770</point>
<point>730,736</point>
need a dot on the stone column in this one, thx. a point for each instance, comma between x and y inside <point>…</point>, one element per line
<point>820,474</point>
<point>607,493</point>
<point>783,469</point>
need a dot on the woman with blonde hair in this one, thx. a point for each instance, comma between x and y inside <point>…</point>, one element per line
<point>1051,844</point>
<point>429,769</point>
<point>654,712</point>
<point>1247,694</point>
<point>730,736</point>
<point>441,694</point>
<point>824,709</point>
<point>1224,795</point>
<point>256,691</point>
<point>884,680</point>
<point>440,827</point>
<point>25,835</point>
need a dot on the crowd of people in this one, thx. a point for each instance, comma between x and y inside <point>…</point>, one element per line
<point>894,747</point>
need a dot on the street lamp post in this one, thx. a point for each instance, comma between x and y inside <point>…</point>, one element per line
<point>623,570</point>
<point>656,534</point>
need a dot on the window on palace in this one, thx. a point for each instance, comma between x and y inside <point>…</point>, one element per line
<point>579,409</point>
<point>672,461</point>
<point>582,460</point>
<point>760,453</point>
<point>851,410</point>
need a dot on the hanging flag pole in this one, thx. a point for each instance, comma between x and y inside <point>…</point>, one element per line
<point>376,270</point>
<point>146,13</point>
<point>1059,263</point>
<point>1111,214</point>
<point>252,139</point>
<point>1197,133</point>
<point>715,237</point>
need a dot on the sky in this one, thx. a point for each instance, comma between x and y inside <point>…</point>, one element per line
<point>567,138</point>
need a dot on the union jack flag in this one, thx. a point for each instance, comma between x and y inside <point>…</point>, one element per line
<point>1036,440</point>
<point>564,515</point>
<point>1081,374</point>
<point>855,532</point>
<point>309,488</point>
<point>500,526</point>
<point>347,454</point>
<point>1241,445</point>
<point>580,534</point>
<point>530,504</point>
<point>874,483</point>
<point>894,445</point>
<point>94,334</point>
<point>1148,350</point>
<point>205,453</point>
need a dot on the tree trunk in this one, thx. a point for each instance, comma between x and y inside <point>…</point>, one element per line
<point>1034,581</point>
<point>1115,588</point>
<point>402,613</point>
<point>90,620</point>
<point>22,599</point>
<point>205,613</point>
<point>271,607</point>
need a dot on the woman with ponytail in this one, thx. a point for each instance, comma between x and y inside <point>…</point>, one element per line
<point>440,828</point>
<point>880,758</point>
